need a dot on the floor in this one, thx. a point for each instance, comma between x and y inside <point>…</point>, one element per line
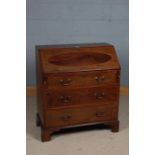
<point>80,141</point>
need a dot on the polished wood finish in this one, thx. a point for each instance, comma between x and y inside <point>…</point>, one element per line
<point>51,53</point>
<point>72,80</point>
<point>32,91</point>
<point>76,85</point>
<point>95,95</point>
<point>79,115</point>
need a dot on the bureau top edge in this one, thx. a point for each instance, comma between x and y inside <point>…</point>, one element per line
<point>72,45</point>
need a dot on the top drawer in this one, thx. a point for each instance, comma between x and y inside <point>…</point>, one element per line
<point>82,79</point>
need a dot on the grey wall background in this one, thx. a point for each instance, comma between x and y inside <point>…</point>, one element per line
<point>77,21</point>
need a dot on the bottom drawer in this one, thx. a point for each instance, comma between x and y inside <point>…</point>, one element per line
<point>72,116</point>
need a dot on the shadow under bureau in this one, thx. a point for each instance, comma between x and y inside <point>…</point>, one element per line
<point>76,85</point>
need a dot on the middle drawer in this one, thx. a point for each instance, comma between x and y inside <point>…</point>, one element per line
<point>93,95</point>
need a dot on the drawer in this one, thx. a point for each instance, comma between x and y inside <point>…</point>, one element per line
<point>83,96</point>
<point>82,79</point>
<point>70,116</point>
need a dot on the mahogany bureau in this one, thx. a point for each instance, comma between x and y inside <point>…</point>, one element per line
<point>76,85</point>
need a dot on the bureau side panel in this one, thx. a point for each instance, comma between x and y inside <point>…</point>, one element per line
<point>118,96</point>
<point>39,80</point>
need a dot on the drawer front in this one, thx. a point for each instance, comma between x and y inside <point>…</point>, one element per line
<point>97,95</point>
<point>82,79</point>
<point>63,117</point>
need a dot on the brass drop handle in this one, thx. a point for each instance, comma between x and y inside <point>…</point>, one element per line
<point>44,81</point>
<point>66,117</point>
<point>65,99</point>
<point>99,79</point>
<point>65,82</point>
<point>99,96</point>
<point>99,114</point>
